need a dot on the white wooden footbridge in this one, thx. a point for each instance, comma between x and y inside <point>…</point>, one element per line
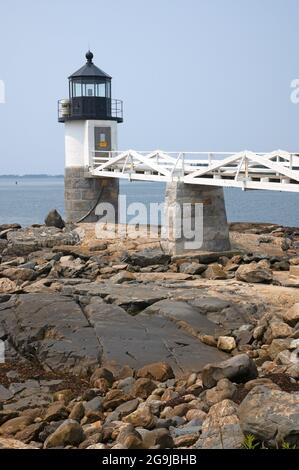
<point>278,170</point>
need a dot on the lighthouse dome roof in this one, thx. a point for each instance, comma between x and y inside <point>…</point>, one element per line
<point>90,69</point>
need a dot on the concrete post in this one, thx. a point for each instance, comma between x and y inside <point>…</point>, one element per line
<point>185,204</point>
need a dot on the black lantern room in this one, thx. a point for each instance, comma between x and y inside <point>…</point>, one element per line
<point>90,96</point>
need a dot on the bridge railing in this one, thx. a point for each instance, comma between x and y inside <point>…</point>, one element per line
<point>186,162</point>
<point>174,160</point>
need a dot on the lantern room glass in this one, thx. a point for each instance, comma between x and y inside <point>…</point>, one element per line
<point>90,88</point>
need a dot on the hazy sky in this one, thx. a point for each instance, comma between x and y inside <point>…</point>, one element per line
<point>193,74</point>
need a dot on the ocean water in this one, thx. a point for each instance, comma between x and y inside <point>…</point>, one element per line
<point>30,200</point>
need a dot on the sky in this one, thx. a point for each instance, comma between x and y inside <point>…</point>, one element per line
<point>194,75</point>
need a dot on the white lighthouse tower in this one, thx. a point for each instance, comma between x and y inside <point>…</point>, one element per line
<point>90,116</point>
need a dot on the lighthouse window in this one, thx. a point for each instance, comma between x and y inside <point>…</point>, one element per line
<point>100,87</point>
<point>77,89</point>
<point>88,89</point>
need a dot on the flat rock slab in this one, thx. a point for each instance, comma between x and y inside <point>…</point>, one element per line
<point>152,277</point>
<point>184,315</point>
<point>205,257</point>
<point>55,331</point>
<point>284,279</point>
<point>143,339</point>
<point>5,394</point>
<point>52,330</point>
<point>133,298</point>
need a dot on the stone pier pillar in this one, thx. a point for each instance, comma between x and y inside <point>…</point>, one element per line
<point>82,193</point>
<point>185,205</point>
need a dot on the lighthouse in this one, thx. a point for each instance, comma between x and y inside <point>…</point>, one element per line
<point>90,118</point>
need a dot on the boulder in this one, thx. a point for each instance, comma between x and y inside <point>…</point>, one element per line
<point>278,345</point>
<point>102,373</point>
<point>223,390</point>
<point>114,398</point>
<point>277,329</point>
<point>19,274</point>
<point>56,412</point>
<point>293,370</point>
<point>102,385</point>
<point>291,316</point>
<point>178,410</point>
<point>240,368</point>
<point>54,219</point>
<point>270,415</point>
<point>199,415</point>
<point>64,395</point>
<point>147,257</point>
<point>143,388</point>
<point>68,433</point>
<point>294,344</point>
<point>93,428</point>
<point>284,358</point>
<point>260,381</point>
<point>254,273</point>
<point>226,343</point>
<point>7,414</point>
<point>126,384</point>
<point>30,433</point>
<point>192,268</point>
<point>156,437</point>
<point>77,411</point>
<point>129,437</point>
<point>123,410</point>
<point>185,440</point>
<point>8,443</point>
<point>95,404</point>
<point>160,371</point>
<point>7,286</point>
<point>15,425</point>
<point>94,439</point>
<point>221,429</point>
<point>215,272</point>
<point>98,246</point>
<point>142,417</point>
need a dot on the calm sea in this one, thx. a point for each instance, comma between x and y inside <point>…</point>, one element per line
<point>28,200</point>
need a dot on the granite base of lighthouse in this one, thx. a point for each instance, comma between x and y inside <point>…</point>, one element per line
<point>82,194</point>
<point>199,207</point>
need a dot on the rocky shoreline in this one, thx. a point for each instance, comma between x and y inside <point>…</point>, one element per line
<point>112,343</point>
